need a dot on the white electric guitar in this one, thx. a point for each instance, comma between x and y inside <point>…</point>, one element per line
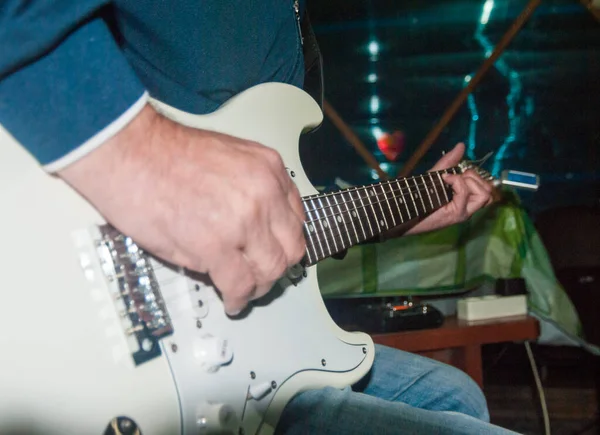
<point>99,337</point>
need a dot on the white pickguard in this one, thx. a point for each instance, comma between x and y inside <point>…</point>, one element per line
<point>66,366</point>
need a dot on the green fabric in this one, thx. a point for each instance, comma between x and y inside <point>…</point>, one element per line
<point>499,241</point>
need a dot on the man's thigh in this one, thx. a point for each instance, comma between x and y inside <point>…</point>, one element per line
<point>421,382</point>
<point>331,411</point>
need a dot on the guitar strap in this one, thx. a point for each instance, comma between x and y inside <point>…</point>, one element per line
<point>313,62</point>
<point>314,84</point>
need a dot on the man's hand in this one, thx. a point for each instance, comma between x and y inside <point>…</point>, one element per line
<point>206,201</point>
<point>471,193</point>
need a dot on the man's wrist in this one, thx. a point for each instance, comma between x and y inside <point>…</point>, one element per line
<point>98,173</point>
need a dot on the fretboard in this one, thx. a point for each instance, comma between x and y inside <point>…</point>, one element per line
<point>339,220</point>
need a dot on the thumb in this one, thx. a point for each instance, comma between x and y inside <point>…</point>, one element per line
<point>452,158</point>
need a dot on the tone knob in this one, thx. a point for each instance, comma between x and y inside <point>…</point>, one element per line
<point>218,418</point>
<point>212,352</point>
<point>259,391</point>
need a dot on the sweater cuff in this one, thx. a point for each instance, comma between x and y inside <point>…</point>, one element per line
<point>72,99</point>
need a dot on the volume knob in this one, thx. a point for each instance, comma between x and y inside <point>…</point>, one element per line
<point>212,352</point>
<point>216,418</point>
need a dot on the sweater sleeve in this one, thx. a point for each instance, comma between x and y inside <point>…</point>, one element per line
<point>65,86</point>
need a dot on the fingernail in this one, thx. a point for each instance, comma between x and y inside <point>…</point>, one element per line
<point>233,313</point>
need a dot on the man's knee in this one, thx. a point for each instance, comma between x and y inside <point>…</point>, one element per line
<point>468,396</point>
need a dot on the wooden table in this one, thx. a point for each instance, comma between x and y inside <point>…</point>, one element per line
<point>459,343</point>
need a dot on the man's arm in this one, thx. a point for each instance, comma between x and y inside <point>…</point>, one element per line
<point>206,201</point>
<point>65,87</point>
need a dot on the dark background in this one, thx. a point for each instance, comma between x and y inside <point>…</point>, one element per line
<point>538,109</point>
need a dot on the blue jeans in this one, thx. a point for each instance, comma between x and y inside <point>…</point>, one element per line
<point>403,394</point>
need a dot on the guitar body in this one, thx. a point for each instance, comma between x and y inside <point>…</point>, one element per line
<point>75,354</point>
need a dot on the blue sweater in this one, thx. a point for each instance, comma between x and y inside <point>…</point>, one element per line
<point>69,69</point>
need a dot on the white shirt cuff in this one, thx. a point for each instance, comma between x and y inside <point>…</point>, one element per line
<point>99,138</point>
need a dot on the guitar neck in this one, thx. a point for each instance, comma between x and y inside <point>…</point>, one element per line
<point>339,220</point>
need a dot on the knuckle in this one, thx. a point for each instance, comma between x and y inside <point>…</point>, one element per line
<point>276,268</point>
<point>273,157</point>
<point>298,254</point>
<point>298,249</point>
<point>248,212</point>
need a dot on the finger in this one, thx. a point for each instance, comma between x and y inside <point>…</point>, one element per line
<point>478,196</point>
<point>234,279</point>
<point>460,196</point>
<point>484,184</point>
<point>451,158</point>
<point>288,229</point>
<point>296,203</point>
<point>262,290</point>
<point>277,166</point>
<point>264,253</point>
<point>478,187</point>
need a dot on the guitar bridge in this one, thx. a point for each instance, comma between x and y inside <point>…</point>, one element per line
<point>136,292</point>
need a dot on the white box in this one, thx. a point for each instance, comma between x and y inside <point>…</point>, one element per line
<point>490,307</point>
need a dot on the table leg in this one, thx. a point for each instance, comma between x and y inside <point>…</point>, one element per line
<point>468,358</point>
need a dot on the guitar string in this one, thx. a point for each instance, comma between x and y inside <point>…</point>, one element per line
<point>403,191</point>
<point>371,204</point>
<point>360,189</point>
<point>322,234</point>
<point>337,234</point>
<point>388,182</point>
<point>368,201</point>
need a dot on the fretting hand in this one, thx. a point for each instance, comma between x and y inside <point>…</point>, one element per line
<point>471,193</point>
<point>206,201</point>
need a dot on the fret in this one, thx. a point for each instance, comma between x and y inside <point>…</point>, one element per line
<point>352,213</point>
<point>369,193</point>
<point>375,198</point>
<point>334,225</point>
<point>323,223</point>
<point>343,219</point>
<point>308,232</point>
<point>354,216</point>
<point>435,189</point>
<point>442,184</point>
<point>389,207</point>
<point>409,194</point>
<point>428,189</point>
<point>395,196</point>
<point>419,195</point>
<point>402,199</point>
<point>363,209</point>
<point>312,230</point>
<point>447,188</point>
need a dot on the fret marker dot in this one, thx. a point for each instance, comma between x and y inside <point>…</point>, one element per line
<point>401,201</point>
<point>372,193</point>
<point>311,228</point>
<point>354,213</point>
<point>339,218</point>
<point>382,223</point>
<point>431,191</point>
<point>325,224</point>
<point>416,195</point>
